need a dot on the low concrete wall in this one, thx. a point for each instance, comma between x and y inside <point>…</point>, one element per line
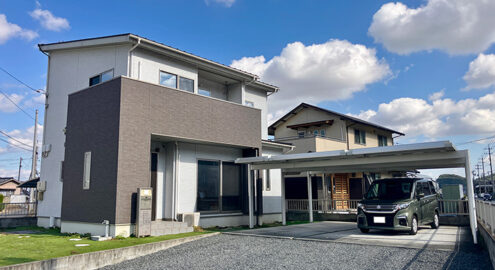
<point>487,241</point>
<point>302,216</point>
<point>17,222</point>
<point>95,260</point>
<point>454,220</point>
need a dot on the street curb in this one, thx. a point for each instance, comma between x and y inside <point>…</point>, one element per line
<point>98,259</point>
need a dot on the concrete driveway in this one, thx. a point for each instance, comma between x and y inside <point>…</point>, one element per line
<point>444,238</point>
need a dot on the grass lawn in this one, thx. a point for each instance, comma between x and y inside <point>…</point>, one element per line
<point>50,243</point>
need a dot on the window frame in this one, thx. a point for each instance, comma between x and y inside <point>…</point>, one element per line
<point>173,74</point>
<point>100,77</point>
<point>381,139</point>
<point>361,139</point>
<point>220,186</point>
<point>86,170</point>
<point>179,84</point>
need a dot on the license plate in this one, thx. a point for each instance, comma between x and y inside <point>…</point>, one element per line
<point>378,219</point>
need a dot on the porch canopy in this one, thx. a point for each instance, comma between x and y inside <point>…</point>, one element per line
<point>406,157</point>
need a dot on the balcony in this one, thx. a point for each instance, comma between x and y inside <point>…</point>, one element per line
<point>314,143</point>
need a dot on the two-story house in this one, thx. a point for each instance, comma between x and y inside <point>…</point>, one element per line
<point>313,129</point>
<point>125,112</point>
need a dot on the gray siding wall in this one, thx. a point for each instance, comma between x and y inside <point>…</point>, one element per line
<point>92,125</point>
<point>152,109</point>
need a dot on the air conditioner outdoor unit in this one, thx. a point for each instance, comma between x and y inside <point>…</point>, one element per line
<point>192,218</point>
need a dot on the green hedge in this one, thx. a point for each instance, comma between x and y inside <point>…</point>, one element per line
<point>2,206</point>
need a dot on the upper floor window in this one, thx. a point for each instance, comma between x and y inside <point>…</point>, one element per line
<point>382,140</point>
<point>323,133</point>
<point>186,84</point>
<point>168,79</point>
<point>359,136</point>
<point>315,132</point>
<point>102,77</point>
<point>300,134</point>
<point>249,103</point>
<point>204,92</point>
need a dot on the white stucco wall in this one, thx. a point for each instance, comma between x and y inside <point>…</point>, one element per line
<point>272,198</point>
<point>69,71</point>
<point>258,97</point>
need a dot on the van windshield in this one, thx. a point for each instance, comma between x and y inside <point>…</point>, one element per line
<point>390,190</point>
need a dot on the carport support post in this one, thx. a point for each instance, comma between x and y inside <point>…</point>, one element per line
<point>310,197</point>
<point>250,196</point>
<point>282,197</point>
<point>470,191</point>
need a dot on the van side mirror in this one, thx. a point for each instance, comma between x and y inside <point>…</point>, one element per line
<point>421,195</point>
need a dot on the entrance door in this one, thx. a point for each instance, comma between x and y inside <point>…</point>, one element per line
<point>341,193</point>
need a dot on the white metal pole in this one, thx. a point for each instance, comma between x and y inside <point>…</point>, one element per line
<point>250,196</point>
<point>310,197</point>
<point>470,193</point>
<point>282,198</point>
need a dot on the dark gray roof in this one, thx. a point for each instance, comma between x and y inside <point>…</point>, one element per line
<point>4,180</point>
<point>272,127</point>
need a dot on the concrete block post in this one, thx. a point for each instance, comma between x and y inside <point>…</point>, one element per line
<point>282,199</point>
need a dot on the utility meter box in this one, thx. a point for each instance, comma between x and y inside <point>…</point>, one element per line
<point>144,207</point>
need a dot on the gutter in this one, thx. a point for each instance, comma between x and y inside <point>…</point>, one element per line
<point>130,56</point>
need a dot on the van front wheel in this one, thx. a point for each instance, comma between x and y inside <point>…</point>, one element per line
<point>436,221</point>
<point>365,230</point>
<point>414,226</point>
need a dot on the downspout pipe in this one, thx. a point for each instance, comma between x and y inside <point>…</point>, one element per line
<point>129,72</point>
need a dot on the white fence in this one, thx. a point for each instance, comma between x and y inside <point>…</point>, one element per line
<point>485,211</point>
<point>446,207</point>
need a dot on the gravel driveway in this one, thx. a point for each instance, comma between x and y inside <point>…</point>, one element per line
<point>248,252</point>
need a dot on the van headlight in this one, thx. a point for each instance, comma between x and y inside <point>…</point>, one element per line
<point>401,206</point>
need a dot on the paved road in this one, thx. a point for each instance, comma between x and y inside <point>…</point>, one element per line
<point>251,252</point>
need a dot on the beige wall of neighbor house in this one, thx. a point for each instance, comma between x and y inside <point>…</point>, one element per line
<point>9,187</point>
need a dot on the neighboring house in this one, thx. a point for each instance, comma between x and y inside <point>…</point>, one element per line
<point>124,112</point>
<point>313,129</point>
<point>9,186</point>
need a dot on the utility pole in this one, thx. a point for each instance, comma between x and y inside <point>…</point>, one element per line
<point>491,168</point>
<point>35,148</point>
<point>20,166</point>
<point>479,185</point>
<point>483,167</point>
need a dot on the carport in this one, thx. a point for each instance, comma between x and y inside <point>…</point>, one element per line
<point>407,157</point>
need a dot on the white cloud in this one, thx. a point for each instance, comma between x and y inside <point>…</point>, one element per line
<point>14,172</point>
<point>437,95</point>
<point>455,26</point>
<point>9,30</point>
<point>6,105</point>
<point>481,73</point>
<point>23,138</point>
<point>49,21</point>
<point>333,70</point>
<point>227,3</point>
<point>441,117</point>
<point>35,102</point>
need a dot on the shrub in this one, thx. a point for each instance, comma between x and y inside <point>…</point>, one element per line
<point>2,206</point>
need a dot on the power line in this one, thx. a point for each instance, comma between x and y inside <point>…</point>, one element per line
<point>15,145</point>
<point>5,134</point>
<point>3,93</point>
<point>15,78</point>
<point>473,141</point>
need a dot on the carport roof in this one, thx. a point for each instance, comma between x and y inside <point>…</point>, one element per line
<point>428,155</point>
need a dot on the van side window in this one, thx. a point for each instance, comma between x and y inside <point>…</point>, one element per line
<point>432,187</point>
<point>425,188</point>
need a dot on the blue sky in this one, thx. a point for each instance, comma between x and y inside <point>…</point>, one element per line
<point>390,71</point>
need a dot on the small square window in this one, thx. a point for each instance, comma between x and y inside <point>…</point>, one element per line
<point>322,133</point>
<point>186,84</point>
<point>204,92</point>
<point>359,136</point>
<point>94,80</point>
<point>249,103</point>
<point>167,79</point>
<point>301,134</point>
<point>382,140</point>
<point>106,76</point>
<point>315,132</point>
